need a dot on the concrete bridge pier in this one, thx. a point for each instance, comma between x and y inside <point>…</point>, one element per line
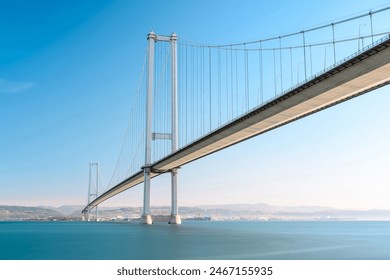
<point>146,218</point>
<point>86,217</point>
<point>175,217</point>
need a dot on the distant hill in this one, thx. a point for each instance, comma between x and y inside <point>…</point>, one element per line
<point>8,213</point>
<point>66,209</point>
<point>267,208</point>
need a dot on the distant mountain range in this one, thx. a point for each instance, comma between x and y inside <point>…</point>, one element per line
<point>259,211</point>
<point>66,209</point>
<point>27,213</point>
<point>266,208</point>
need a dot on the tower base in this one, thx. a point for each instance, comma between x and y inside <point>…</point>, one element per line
<point>146,219</point>
<point>175,219</point>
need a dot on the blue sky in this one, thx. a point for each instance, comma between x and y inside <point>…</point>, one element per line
<point>68,70</point>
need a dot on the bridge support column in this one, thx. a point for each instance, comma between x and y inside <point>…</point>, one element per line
<point>87,216</point>
<point>175,217</point>
<point>146,217</point>
<point>87,213</point>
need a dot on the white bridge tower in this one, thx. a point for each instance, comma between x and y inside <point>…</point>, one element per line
<point>173,136</point>
<point>92,166</point>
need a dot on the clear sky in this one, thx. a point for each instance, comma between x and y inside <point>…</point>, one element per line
<point>68,70</point>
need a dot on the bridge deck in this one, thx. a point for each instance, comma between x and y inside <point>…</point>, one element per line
<point>358,75</point>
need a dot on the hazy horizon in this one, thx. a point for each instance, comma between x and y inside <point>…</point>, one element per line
<point>199,205</point>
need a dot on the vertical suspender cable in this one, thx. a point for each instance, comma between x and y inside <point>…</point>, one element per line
<point>281,65</point>
<point>304,52</point>
<point>261,72</point>
<point>168,97</point>
<point>210,86</point>
<point>372,30</point>
<point>246,78</point>
<point>275,82</point>
<point>195,92</point>
<point>311,62</point>
<point>219,86</point>
<point>203,93</point>
<point>180,79</point>
<point>334,45</point>
<point>325,59</point>
<point>192,93</point>
<point>227,85</point>
<point>187,124</point>
<point>199,90</point>
<point>231,81</point>
<point>291,67</point>
<point>236,83</point>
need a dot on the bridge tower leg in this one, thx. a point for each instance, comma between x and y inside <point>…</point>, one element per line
<point>97,190</point>
<point>146,217</point>
<point>175,218</point>
<point>90,194</point>
<point>86,216</point>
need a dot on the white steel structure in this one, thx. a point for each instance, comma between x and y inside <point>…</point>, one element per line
<point>173,136</point>
<point>86,216</point>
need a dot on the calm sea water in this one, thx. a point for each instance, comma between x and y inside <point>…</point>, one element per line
<point>194,240</point>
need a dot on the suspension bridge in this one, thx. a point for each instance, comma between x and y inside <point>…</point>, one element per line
<point>195,99</point>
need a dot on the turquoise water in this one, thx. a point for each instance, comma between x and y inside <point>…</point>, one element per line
<point>194,240</point>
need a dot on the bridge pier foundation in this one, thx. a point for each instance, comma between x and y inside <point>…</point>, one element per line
<point>175,219</point>
<point>86,216</point>
<point>146,219</point>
